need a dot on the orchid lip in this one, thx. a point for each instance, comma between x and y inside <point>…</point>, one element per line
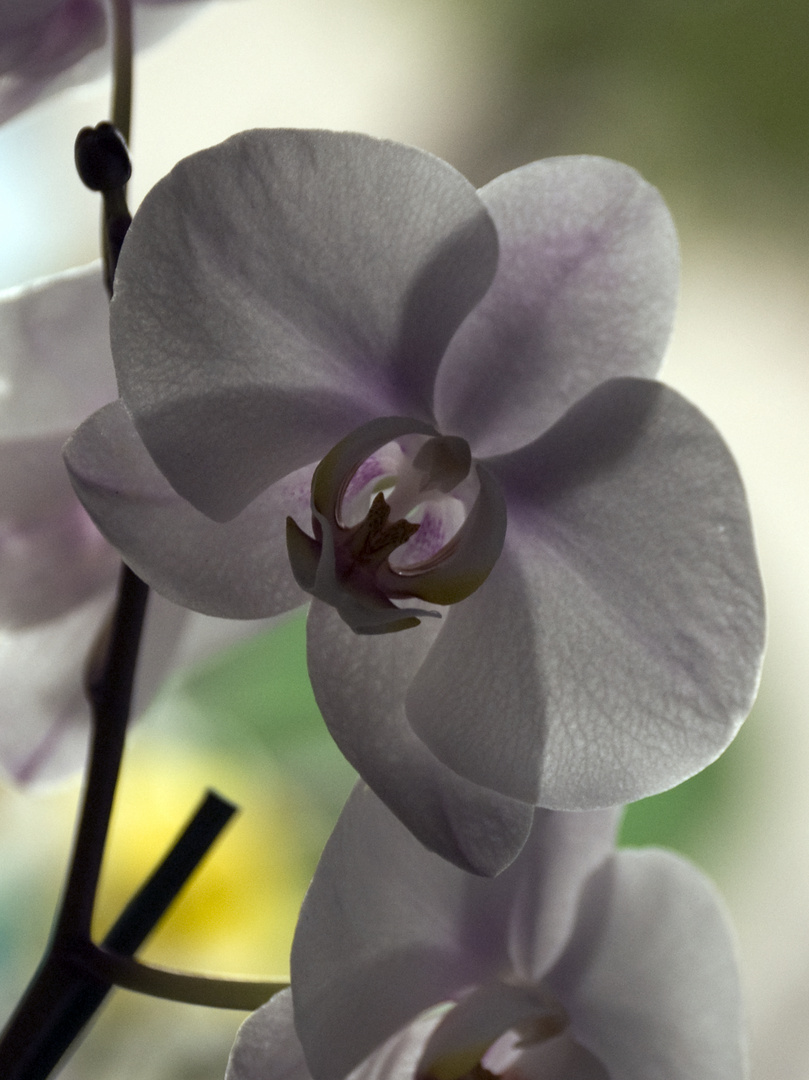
<point>422,502</point>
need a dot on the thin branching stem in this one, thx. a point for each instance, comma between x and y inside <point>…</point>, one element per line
<point>122,52</point>
<point>221,993</point>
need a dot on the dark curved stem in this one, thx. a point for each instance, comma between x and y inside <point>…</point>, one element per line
<point>110,696</point>
<point>122,52</point>
<point>73,982</point>
<point>243,994</point>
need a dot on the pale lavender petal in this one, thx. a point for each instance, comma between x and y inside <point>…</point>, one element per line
<point>397,1059</point>
<point>56,44</point>
<point>40,40</point>
<point>379,938</point>
<point>650,980</point>
<point>478,1021</point>
<point>561,1058</point>
<point>478,700</point>
<point>52,557</point>
<point>55,359</point>
<point>542,886</point>
<point>630,527</point>
<point>624,621</point>
<point>266,1046</point>
<point>389,929</point>
<point>320,276</point>
<point>585,290</point>
<point>360,684</point>
<point>236,570</point>
<point>44,715</point>
<point>43,712</point>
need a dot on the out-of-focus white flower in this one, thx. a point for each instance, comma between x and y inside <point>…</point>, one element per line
<point>577,962</point>
<point>48,45</point>
<point>477,362</point>
<point>57,574</point>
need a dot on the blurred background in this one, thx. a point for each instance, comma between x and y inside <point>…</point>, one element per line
<point>709,99</point>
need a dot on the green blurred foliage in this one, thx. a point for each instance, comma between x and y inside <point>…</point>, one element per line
<point>708,98</point>
<point>256,700</point>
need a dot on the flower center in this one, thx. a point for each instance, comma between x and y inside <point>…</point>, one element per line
<point>398,512</point>
<point>499,1052</point>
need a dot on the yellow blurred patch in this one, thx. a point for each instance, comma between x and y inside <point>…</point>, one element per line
<point>238,912</point>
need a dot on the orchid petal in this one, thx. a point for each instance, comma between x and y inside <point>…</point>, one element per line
<point>48,46</point>
<point>397,930</point>
<point>650,979</point>
<point>55,360</point>
<point>52,557</point>
<point>397,1059</point>
<point>359,684</point>
<point>630,540</point>
<point>322,276</point>
<point>237,570</point>
<point>561,1058</point>
<point>427,931</point>
<point>266,1046</point>
<point>541,888</point>
<point>585,290</point>
<point>43,711</point>
<point>467,1031</point>
<point>478,701</point>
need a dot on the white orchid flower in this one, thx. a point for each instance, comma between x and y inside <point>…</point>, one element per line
<point>341,330</point>
<point>578,961</point>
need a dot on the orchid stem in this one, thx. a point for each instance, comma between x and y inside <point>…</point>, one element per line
<point>110,695</point>
<point>123,971</point>
<point>40,1014</point>
<point>122,50</point>
<point>152,900</point>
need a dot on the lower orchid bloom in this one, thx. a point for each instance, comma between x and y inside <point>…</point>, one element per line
<point>577,962</point>
<point>48,45</point>
<point>346,373</point>
<point>58,576</point>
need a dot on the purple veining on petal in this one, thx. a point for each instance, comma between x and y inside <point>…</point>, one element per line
<point>50,564</point>
<point>360,490</point>
<point>46,44</point>
<point>439,522</point>
<point>27,770</point>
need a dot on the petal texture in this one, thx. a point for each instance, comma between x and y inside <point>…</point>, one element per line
<point>266,1046</point>
<point>630,644</point>
<point>478,701</point>
<point>55,359</point>
<point>44,716</point>
<point>650,979</point>
<point>585,290</point>
<point>561,1058</point>
<point>360,684</point>
<point>234,570</point>
<point>469,1030</point>
<point>383,912</point>
<point>321,277</point>
<point>539,892</point>
<point>398,908</point>
<point>52,557</point>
